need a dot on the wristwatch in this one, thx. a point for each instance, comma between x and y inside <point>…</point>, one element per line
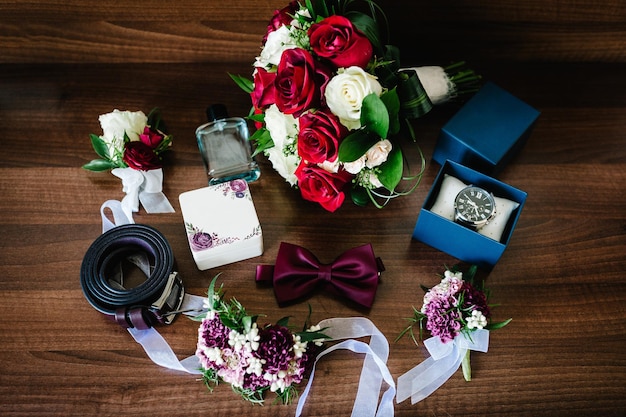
<point>474,207</point>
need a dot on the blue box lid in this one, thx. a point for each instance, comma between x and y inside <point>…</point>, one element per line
<point>487,131</point>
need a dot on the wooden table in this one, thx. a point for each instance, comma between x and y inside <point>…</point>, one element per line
<point>561,279</point>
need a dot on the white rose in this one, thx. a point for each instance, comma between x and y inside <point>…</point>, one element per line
<point>345,93</point>
<point>115,124</point>
<point>378,153</point>
<point>355,167</point>
<point>277,42</point>
<point>329,166</point>
<point>283,129</point>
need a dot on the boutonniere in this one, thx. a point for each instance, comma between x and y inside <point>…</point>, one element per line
<point>457,314</point>
<point>253,358</point>
<point>131,147</point>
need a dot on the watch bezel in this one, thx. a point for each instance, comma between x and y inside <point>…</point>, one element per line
<point>474,224</point>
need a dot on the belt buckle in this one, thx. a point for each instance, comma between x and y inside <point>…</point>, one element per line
<point>170,301</point>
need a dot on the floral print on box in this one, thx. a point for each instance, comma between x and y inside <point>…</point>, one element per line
<point>200,240</point>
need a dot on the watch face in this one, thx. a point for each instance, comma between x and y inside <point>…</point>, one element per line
<point>474,205</point>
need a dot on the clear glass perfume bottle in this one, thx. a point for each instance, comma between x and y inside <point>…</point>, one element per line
<point>225,148</point>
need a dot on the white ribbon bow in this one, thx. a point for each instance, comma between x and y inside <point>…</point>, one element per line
<point>445,359</point>
<point>145,187</point>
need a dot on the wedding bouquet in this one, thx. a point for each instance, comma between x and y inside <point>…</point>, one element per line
<point>131,146</point>
<point>454,308</point>
<point>252,358</point>
<point>330,99</point>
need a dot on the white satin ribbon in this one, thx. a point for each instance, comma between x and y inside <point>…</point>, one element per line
<point>374,369</point>
<point>145,187</point>
<point>157,348</point>
<point>445,359</point>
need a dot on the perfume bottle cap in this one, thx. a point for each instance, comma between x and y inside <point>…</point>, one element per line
<point>216,112</point>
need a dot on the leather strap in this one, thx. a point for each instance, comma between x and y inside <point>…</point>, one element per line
<point>156,300</point>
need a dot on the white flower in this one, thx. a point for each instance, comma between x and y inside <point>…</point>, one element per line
<point>252,338</point>
<point>283,129</point>
<point>255,366</point>
<point>214,354</point>
<point>277,381</point>
<point>477,320</point>
<point>345,93</point>
<point>330,166</point>
<point>299,347</point>
<point>277,42</point>
<point>116,123</point>
<point>378,153</point>
<point>236,340</point>
<point>355,167</point>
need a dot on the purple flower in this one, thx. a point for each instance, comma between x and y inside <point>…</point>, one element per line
<point>200,241</point>
<point>275,347</point>
<point>443,319</point>
<point>474,299</point>
<point>213,333</point>
<point>238,186</point>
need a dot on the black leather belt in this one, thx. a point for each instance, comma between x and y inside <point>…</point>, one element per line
<point>155,300</point>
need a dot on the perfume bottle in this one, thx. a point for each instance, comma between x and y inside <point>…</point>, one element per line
<point>225,148</point>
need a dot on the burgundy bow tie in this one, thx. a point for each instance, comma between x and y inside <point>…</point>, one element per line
<point>297,272</point>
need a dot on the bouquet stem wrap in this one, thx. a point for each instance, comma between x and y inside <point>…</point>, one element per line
<point>445,359</point>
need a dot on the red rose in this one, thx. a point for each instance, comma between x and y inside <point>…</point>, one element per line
<point>319,136</point>
<point>300,81</point>
<point>336,39</point>
<point>264,93</point>
<point>281,17</point>
<point>321,186</point>
<point>141,157</point>
<point>151,137</point>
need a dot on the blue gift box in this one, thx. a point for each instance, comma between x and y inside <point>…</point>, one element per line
<point>467,245</point>
<point>487,131</point>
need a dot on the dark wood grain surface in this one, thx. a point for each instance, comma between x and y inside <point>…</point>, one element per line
<point>561,279</point>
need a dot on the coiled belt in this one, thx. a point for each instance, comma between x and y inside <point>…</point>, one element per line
<point>156,300</point>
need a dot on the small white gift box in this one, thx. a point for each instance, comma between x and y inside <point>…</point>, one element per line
<point>221,224</point>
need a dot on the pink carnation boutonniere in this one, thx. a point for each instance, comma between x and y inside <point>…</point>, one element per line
<point>253,358</point>
<point>457,315</point>
<point>131,146</point>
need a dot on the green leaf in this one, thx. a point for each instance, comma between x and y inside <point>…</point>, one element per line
<point>99,165</point>
<point>283,321</point>
<point>355,145</point>
<point>359,196</point>
<point>499,325</point>
<point>391,170</point>
<point>262,139</point>
<point>311,336</point>
<point>244,83</point>
<point>368,26</point>
<point>392,103</point>
<point>414,100</point>
<point>374,115</point>
<point>99,146</point>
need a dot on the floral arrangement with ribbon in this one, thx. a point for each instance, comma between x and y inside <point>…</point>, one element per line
<point>252,358</point>
<point>330,100</point>
<point>131,146</point>
<point>457,315</point>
